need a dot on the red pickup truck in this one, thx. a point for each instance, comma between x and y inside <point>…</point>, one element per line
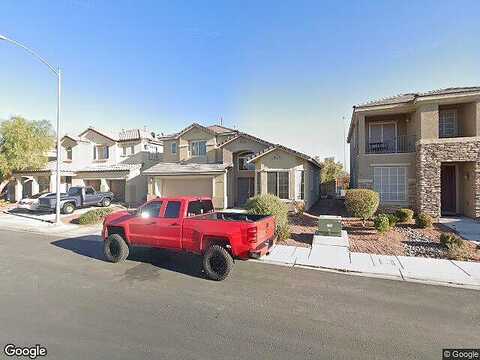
<point>190,224</point>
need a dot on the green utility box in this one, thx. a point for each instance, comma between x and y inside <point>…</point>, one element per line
<point>329,225</point>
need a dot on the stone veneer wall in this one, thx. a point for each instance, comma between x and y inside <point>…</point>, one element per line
<point>430,155</point>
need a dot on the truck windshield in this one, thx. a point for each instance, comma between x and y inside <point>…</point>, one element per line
<point>198,207</point>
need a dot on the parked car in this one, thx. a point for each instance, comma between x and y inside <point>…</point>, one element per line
<point>31,203</point>
<point>76,197</point>
<point>190,224</point>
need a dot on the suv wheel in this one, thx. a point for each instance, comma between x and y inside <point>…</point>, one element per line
<point>68,208</point>
<point>217,262</point>
<point>115,248</point>
<point>106,202</point>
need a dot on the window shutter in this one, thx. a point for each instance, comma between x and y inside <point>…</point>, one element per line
<point>107,152</point>
<point>94,152</point>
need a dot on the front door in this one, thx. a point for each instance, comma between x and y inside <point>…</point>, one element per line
<point>245,189</point>
<point>448,190</point>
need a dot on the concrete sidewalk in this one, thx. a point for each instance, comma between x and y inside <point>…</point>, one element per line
<point>334,254</point>
<point>467,228</point>
<point>18,222</point>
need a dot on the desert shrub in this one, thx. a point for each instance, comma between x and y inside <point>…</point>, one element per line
<point>458,253</point>
<point>268,204</point>
<point>404,215</point>
<point>392,220</point>
<point>424,221</point>
<point>450,240</point>
<point>382,223</point>
<point>299,207</point>
<point>94,216</point>
<point>362,203</point>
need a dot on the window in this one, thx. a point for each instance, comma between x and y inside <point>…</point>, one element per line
<point>198,148</point>
<point>128,150</point>
<point>300,184</point>
<point>69,153</point>
<point>242,162</point>
<point>199,207</point>
<point>173,210</point>
<point>390,183</point>
<point>278,184</point>
<point>89,191</point>
<point>152,209</point>
<point>259,183</point>
<point>447,123</point>
<point>100,152</point>
<point>382,136</point>
<point>173,148</point>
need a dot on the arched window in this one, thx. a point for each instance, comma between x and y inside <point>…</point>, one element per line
<point>242,161</point>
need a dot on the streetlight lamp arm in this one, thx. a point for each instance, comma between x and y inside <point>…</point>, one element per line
<point>4,38</point>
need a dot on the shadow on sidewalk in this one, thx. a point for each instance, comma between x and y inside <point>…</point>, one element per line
<point>29,215</point>
<point>92,246</point>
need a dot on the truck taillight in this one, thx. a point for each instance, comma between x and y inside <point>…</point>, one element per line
<point>252,234</point>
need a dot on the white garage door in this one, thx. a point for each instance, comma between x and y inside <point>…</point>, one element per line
<point>186,187</point>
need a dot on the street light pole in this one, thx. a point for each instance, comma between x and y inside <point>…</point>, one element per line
<point>58,73</point>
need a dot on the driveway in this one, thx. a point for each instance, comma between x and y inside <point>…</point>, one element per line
<point>60,293</point>
<point>467,228</point>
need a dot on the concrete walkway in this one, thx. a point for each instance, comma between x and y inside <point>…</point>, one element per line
<point>334,254</point>
<point>467,228</point>
<point>37,225</point>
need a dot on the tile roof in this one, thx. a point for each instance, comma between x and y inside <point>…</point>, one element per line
<point>220,129</point>
<point>184,168</point>
<point>410,97</point>
<point>67,167</point>
<point>242,134</point>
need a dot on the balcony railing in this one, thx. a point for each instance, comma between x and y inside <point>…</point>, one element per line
<point>399,144</point>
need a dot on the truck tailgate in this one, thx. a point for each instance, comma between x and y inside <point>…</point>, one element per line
<point>265,229</point>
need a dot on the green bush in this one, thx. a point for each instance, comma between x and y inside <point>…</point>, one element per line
<point>382,223</point>
<point>392,220</point>
<point>94,216</point>
<point>450,240</point>
<point>268,204</point>
<point>458,253</point>
<point>404,215</point>
<point>424,221</point>
<point>362,203</point>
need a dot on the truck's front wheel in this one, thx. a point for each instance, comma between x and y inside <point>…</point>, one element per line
<point>115,248</point>
<point>217,262</point>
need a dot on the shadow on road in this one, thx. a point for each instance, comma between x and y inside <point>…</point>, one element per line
<point>29,214</point>
<point>92,247</point>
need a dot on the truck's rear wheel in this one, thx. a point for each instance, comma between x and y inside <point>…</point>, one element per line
<point>115,248</point>
<point>217,262</point>
<point>68,208</point>
<point>106,202</point>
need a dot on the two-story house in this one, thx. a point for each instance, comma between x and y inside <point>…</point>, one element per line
<point>420,150</point>
<point>231,166</point>
<point>108,162</point>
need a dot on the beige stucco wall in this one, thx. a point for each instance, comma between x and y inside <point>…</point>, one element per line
<point>197,134</point>
<point>427,124</point>
<point>198,185</point>
<point>279,160</point>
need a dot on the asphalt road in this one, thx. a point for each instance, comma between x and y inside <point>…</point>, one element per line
<point>61,294</point>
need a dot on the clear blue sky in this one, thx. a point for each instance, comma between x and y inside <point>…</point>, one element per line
<point>287,71</point>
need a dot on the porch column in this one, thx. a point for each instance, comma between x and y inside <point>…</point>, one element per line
<point>104,185</point>
<point>35,185</point>
<point>157,187</point>
<point>18,189</point>
<point>53,183</point>
<point>225,197</point>
<point>361,134</point>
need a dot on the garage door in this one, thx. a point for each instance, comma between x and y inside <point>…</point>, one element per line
<point>185,187</point>
<point>117,187</point>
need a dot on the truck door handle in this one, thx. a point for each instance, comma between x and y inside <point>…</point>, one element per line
<point>150,223</point>
<point>175,224</point>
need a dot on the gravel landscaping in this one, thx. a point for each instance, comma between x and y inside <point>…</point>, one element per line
<point>403,240</point>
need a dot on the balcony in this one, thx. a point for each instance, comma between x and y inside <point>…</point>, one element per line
<point>395,145</point>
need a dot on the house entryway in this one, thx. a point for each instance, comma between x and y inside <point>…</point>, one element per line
<point>448,183</point>
<point>245,189</point>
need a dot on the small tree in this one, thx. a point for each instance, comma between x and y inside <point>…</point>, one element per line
<point>331,171</point>
<point>362,203</point>
<point>24,145</point>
